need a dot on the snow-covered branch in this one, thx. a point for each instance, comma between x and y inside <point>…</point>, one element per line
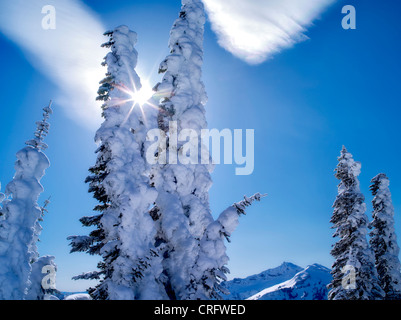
<point>42,130</point>
<point>80,243</point>
<point>92,275</point>
<point>210,268</point>
<point>228,219</point>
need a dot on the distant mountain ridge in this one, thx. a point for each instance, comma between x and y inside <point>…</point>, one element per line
<point>243,288</point>
<point>285,282</point>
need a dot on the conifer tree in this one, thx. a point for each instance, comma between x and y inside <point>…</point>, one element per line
<point>383,239</point>
<point>20,212</point>
<point>354,260</point>
<point>182,207</point>
<point>124,234</point>
<point>186,229</point>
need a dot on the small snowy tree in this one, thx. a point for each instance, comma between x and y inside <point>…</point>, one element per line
<point>383,239</point>
<point>125,233</point>
<point>19,227</point>
<point>354,260</point>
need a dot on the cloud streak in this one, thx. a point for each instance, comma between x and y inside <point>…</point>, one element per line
<point>69,55</point>
<point>256,30</point>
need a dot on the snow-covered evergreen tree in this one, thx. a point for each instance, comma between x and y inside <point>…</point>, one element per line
<point>353,256</point>
<point>194,251</point>
<point>19,226</point>
<point>124,232</point>
<point>182,207</point>
<point>383,239</point>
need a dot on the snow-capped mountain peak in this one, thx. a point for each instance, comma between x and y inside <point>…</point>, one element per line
<point>243,288</point>
<point>308,284</point>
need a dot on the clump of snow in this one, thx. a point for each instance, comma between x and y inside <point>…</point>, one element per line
<point>36,290</point>
<point>50,297</point>
<point>78,296</point>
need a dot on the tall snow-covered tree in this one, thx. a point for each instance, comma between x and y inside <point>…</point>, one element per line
<point>354,259</point>
<point>182,205</point>
<point>194,251</point>
<point>19,227</point>
<point>124,234</point>
<point>383,239</point>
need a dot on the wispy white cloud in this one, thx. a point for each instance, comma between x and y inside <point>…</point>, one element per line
<point>254,30</point>
<point>70,55</point>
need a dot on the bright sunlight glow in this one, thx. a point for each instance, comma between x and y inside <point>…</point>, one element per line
<point>143,95</point>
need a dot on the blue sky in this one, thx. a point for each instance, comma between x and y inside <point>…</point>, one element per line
<point>338,87</point>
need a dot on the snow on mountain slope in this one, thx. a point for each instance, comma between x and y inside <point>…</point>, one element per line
<point>308,284</point>
<point>241,289</point>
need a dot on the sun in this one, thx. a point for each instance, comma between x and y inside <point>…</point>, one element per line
<point>143,95</point>
<point>139,98</point>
